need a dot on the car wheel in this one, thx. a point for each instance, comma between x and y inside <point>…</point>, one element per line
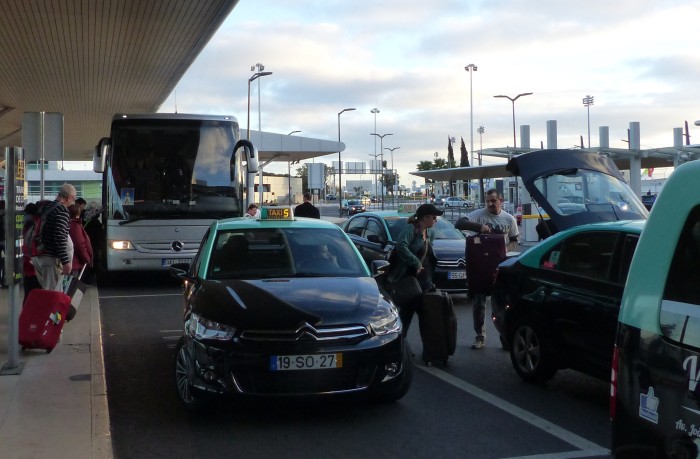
<point>184,368</point>
<point>394,390</point>
<point>531,353</point>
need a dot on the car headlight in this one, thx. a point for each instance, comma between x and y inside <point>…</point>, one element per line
<point>388,322</point>
<point>121,245</point>
<point>203,328</point>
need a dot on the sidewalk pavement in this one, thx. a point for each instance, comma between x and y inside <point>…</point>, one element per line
<point>57,406</point>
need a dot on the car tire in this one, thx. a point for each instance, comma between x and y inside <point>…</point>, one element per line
<point>193,399</point>
<point>394,390</point>
<point>531,352</point>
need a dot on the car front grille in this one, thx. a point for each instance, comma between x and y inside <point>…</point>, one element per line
<point>457,264</point>
<point>304,382</point>
<point>308,333</point>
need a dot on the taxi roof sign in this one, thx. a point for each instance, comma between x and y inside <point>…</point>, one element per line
<point>276,213</point>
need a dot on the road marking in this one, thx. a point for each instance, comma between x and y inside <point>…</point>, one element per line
<point>138,296</point>
<point>587,448</point>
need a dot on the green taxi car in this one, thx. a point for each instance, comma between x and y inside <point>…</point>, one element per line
<point>655,395</point>
<point>286,306</point>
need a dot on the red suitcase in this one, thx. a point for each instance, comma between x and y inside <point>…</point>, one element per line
<point>42,318</point>
<point>484,253</point>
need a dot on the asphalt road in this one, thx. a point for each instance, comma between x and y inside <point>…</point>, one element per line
<point>477,407</point>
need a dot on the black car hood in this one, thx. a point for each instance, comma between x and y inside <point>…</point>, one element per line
<point>288,302</point>
<point>542,163</point>
<point>450,250</point>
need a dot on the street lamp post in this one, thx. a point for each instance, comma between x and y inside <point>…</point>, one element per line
<point>289,175</point>
<point>340,167</point>
<point>471,68</point>
<point>374,171</point>
<point>587,102</point>
<point>250,80</point>
<point>381,149</point>
<point>374,111</point>
<point>394,182</point>
<point>512,100</point>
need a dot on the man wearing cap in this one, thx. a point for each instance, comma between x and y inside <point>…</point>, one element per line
<point>415,257</point>
<point>489,220</point>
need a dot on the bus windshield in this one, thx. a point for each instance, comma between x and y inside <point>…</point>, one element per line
<point>165,168</point>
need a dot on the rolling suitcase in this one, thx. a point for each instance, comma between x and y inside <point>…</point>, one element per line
<point>42,318</point>
<point>484,253</point>
<point>438,327</point>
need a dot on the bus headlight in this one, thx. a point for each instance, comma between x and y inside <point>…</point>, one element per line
<point>121,245</point>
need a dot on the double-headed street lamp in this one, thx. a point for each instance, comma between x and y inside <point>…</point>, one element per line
<point>587,102</point>
<point>394,181</point>
<point>340,167</point>
<point>381,149</point>
<point>513,99</point>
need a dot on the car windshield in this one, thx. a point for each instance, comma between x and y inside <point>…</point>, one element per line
<point>354,202</point>
<point>264,253</point>
<point>443,229</point>
<point>579,190</point>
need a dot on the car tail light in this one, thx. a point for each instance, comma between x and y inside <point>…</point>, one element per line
<point>613,382</point>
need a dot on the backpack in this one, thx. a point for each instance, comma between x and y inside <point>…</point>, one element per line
<point>32,243</point>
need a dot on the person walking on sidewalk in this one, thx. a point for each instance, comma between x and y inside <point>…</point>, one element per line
<point>82,248</point>
<point>55,261</point>
<point>488,220</point>
<point>307,209</point>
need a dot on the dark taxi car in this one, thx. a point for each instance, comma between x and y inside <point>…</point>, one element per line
<point>556,305</point>
<point>375,233</point>
<point>284,306</point>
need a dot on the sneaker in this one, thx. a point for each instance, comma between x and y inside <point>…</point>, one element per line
<point>478,343</point>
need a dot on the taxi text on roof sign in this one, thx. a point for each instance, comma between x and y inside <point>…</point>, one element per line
<point>276,213</point>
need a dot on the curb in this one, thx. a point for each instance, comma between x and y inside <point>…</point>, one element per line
<point>101,435</point>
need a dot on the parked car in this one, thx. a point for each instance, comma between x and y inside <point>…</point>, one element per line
<point>654,390</point>
<point>364,200</point>
<point>454,201</point>
<point>330,197</point>
<point>375,233</point>
<point>283,307</point>
<point>353,206</point>
<point>556,305</point>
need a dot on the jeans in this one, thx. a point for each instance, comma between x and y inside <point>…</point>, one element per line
<point>479,313</point>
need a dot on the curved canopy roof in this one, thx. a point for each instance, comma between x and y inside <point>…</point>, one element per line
<point>91,59</point>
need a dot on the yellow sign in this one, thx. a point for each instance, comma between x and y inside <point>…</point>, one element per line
<point>277,213</point>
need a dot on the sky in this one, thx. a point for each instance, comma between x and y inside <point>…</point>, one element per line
<point>639,59</point>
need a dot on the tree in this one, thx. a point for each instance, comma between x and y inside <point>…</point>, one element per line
<point>424,166</point>
<point>464,162</point>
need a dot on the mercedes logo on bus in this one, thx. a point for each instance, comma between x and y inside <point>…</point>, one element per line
<point>177,246</point>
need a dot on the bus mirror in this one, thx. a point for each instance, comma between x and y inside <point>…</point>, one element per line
<point>100,155</point>
<point>250,155</point>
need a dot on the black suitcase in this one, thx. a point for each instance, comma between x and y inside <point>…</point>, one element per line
<point>484,253</point>
<point>438,327</point>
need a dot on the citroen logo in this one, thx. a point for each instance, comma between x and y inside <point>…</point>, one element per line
<point>177,246</point>
<point>306,333</point>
